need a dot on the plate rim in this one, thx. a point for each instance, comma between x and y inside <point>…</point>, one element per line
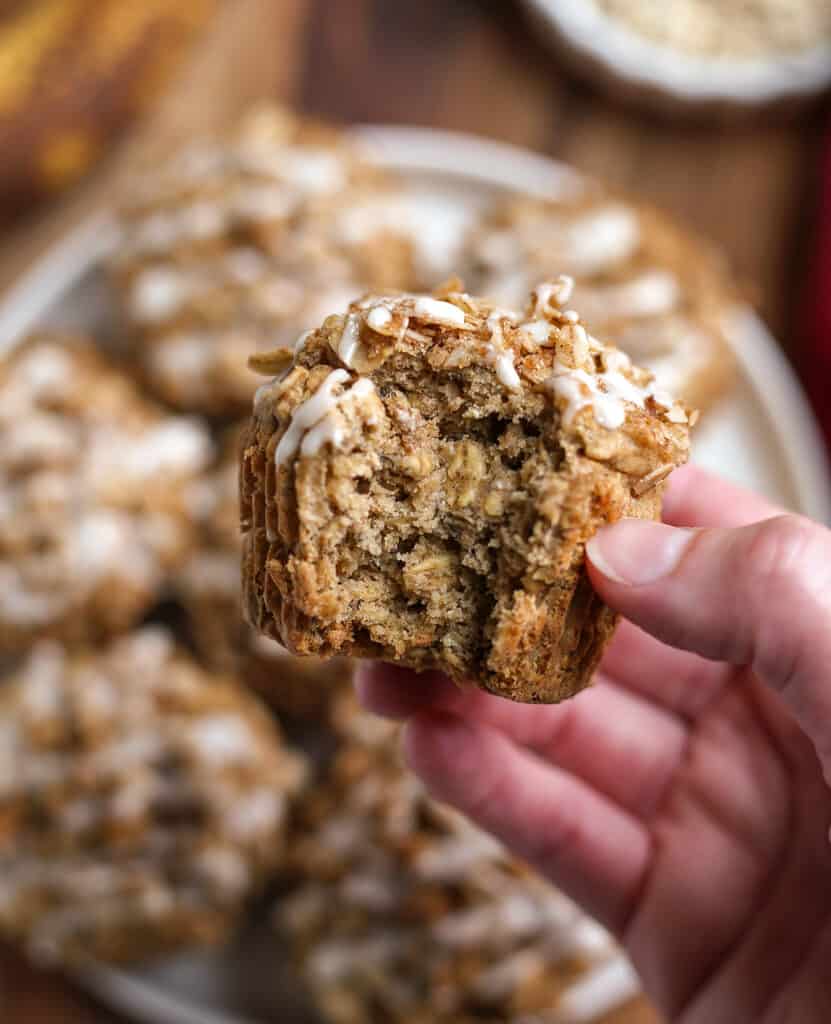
<point>128,993</point>
<point>461,156</point>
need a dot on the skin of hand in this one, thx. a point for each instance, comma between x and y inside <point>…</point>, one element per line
<point>684,799</point>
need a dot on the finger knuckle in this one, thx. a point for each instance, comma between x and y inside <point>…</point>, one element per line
<point>562,839</point>
<point>784,557</point>
<point>781,549</point>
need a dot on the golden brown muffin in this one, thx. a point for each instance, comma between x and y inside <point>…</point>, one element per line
<point>142,800</point>
<point>420,479</point>
<point>240,243</point>
<point>95,509</point>
<point>655,291</point>
<point>401,912</point>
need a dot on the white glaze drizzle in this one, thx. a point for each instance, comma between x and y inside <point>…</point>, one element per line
<point>378,317</point>
<point>307,414</point>
<point>605,393</point>
<point>330,430</point>
<point>602,238</point>
<point>498,355</point>
<point>434,226</point>
<point>560,291</point>
<point>221,738</point>
<point>652,293</point>
<point>437,311</point>
<point>316,421</point>
<point>537,332</point>
<point>158,293</point>
<point>607,986</point>
<point>260,203</point>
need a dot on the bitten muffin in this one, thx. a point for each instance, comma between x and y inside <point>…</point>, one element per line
<point>240,243</point>
<point>657,292</point>
<point>94,494</point>
<point>142,801</point>
<point>209,589</point>
<point>401,911</point>
<point>420,479</point>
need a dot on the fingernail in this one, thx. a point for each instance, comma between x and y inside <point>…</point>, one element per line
<point>637,552</point>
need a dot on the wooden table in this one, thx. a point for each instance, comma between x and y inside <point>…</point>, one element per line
<point>468,65</point>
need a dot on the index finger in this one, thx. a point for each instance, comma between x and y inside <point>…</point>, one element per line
<point>696,497</point>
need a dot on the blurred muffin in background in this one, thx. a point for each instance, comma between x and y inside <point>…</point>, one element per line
<point>657,292</point>
<point>143,801</point>
<point>241,243</point>
<point>73,74</point>
<point>402,912</point>
<point>95,504</point>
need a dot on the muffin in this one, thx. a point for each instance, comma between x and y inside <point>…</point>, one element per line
<point>657,292</point>
<point>401,912</point>
<point>421,476</point>
<point>209,589</point>
<point>143,801</point>
<point>242,243</point>
<point>94,494</point>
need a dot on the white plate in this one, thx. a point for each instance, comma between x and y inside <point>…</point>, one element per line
<point>763,437</point>
<point>649,66</point>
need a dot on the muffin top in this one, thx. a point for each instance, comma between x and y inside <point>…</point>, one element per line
<point>451,356</point>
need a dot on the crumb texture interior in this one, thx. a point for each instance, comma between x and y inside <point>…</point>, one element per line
<point>421,490</point>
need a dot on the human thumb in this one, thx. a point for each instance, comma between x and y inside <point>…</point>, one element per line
<point>758,596</point>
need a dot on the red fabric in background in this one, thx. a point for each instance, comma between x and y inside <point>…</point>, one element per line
<point>815,358</point>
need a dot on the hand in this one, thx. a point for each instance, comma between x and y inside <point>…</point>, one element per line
<point>684,799</point>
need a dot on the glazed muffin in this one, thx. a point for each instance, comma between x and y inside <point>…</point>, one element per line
<point>401,912</point>
<point>94,494</point>
<point>143,801</point>
<point>660,294</point>
<point>210,591</point>
<point>420,479</point>
<point>242,243</point>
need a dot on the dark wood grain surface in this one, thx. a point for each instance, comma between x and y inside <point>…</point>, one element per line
<point>475,66</point>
